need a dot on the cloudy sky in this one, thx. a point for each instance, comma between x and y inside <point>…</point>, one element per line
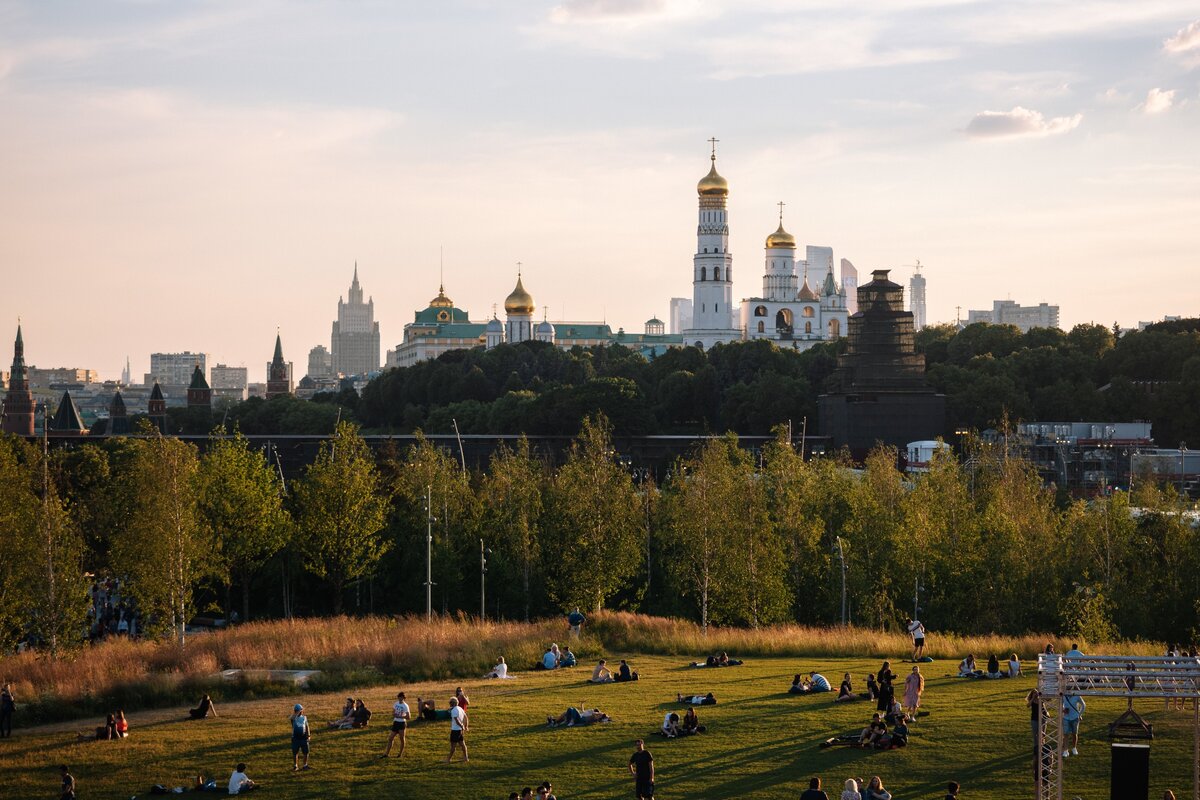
<point>193,175</point>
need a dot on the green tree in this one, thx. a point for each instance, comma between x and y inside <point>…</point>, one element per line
<point>17,504</point>
<point>341,512</point>
<point>241,504</point>
<point>512,498</point>
<point>163,550</point>
<point>596,546</point>
<point>55,577</point>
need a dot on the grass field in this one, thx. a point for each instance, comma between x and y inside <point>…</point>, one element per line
<point>761,742</point>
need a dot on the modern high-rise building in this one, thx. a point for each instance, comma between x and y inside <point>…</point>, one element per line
<point>681,314</point>
<point>1007,312</point>
<point>320,363</point>
<point>354,345</point>
<point>850,285</point>
<point>916,298</point>
<point>174,370</point>
<point>127,373</point>
<point>818,262</point>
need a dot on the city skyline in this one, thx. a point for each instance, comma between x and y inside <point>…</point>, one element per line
<point>201,176</point>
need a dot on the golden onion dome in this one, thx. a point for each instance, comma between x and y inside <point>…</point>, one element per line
<point>520,301</point>
<point>781,238</point>
<point>713,183</point>
<point>441,301</point>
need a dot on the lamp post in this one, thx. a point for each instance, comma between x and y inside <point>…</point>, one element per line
<point>842,557</point>
<point>428,554</point>
<point>484,552</point>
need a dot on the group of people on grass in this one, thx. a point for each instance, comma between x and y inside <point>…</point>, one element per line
<point>968,669</point>
<point>115,727</point>
<point>880,687</point>
<point>854,789</point>
<point>689,725</point>
<point>544,791</point>
<point>602,674</point>
<point>553,658</point>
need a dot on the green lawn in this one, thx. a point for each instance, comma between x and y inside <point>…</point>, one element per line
<point>761,742</point>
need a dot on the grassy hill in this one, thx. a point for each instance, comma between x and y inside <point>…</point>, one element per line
<point>761,743</point>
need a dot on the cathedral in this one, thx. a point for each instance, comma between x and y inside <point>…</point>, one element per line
<point>790,311</point>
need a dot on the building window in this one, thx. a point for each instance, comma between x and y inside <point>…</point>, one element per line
<point>760,311</point>
<point>808,327</point>
<point>703,273</point>
<point>835,327</point>
<point>760,326</point>
<point>808,312</point>
<point>716,273</point>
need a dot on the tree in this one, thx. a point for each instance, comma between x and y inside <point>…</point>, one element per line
<point>512,496</point>
<point>341,512</point>
<point>163,550</point>
<point>55,577</point>
<point>595,546</point>
<point>17,504</point>
<point>241,504</point>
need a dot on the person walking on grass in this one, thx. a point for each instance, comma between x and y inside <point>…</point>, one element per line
<point>400,716</point>
<point>68,784</point>
<point>641,767</point>
<point>1072,714</point>
<point>918,636</point>
<point>300,736</point>
<point>575,621</point>
<point>458,730</point>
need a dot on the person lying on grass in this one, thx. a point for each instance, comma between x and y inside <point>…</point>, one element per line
<point>721,659</point>
<point>205,709</point>
<point>573,716</point>
<point>602,674</point>
<point>697,699</point>
<point>428,711</point>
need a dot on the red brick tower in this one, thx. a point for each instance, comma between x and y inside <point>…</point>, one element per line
<point>157,408</point>
<point>18,401</point>
<point>198,393</point>
<point>278,382</point>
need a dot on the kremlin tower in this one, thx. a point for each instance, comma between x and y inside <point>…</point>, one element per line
<point>18,401</point>
<point>712,266</point>
<point>279,382</point>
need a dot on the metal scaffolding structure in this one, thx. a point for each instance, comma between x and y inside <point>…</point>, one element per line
<point>1125,677</point>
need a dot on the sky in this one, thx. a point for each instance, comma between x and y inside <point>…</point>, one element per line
<point>195,176</point>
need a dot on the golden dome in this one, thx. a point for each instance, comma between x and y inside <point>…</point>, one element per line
<point>713,183</point>
<point>520,301</point>
<point>781,238</point>
<point>441,301</point>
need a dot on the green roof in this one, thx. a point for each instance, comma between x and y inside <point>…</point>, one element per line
<point>440,316</point>
<point>460,330</point>
<point>581,330</point>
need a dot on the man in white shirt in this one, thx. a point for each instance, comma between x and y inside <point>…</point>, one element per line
<point>239,782</point>
<point>400,717</point>
<point>458,730</point>
<point>918,636</point>
<point>819,682</point>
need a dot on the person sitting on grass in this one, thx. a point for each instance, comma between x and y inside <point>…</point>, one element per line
<point>346,720</point>
<point>813,792</point>
<point>573,716</point>
<point>428,711</point>
<point>1014,666</point>
<point>121,725</point>
<point>670,726</point>
<point>993,667</point>
<point>899,734</point>
<point>624,673</point>
<point>873,732</point>
<point>602,674</point>
<point>239,781</point>
<point>894,712</point>
<point>875,790</point>
<point>102,733</point>
<point>691,723</point>
<point>813,684</point>
<point>549,659</point>
<point>568,659</point>
<point>499,671</point>
<point>362,715</point>
<point>872,687</point>
<point>800,684</point>
<point>952,790</point>
<point>697,699</point>
<point>850,791</point>
<point>205,709</point>
<point>967,668</point>
<point>846,690</point>
<point>546,791</point>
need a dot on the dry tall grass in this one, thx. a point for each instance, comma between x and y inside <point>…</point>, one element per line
<point>154,673</point>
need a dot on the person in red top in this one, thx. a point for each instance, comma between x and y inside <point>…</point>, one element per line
<point>463,702</point>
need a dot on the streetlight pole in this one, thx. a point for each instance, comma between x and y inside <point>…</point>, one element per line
<point>428,554</point>
<point>842,558</point>
<point>483,554</point>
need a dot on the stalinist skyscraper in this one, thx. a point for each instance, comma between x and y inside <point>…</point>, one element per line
<point>355,341</point>
<point>712,266</point>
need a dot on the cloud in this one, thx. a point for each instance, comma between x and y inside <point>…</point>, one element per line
<point>625,13</point>
<point>1158,101</point>
<point>1184,40</point>
<point>1020,122</point>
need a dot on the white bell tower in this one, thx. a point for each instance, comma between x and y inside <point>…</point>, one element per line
<point>712,266</point>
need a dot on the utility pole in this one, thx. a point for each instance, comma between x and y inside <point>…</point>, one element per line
<point>49,528</point>
<point>429,553</point>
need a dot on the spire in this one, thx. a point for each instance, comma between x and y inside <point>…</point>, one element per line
<point>278,357</point>
<point>198,381</point>
<point>17,378</point>
<point>66,417</point>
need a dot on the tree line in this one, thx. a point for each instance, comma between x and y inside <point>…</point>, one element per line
<point>726,536</point>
